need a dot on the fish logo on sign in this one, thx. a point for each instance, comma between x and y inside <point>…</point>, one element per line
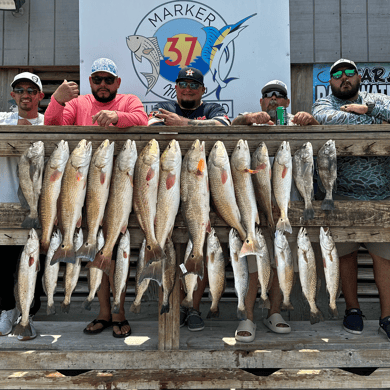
<point>179,34</point>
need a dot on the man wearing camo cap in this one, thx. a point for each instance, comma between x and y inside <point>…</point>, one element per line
<point>103,107</point>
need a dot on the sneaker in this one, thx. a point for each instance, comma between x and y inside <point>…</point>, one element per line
<point>7,320</point>
<point>33,332</point>
<point>194,320</point>
<point>353,321</point>
<point>183,315</point>
<point>384,327</point>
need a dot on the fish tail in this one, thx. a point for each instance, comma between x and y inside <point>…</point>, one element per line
<point>31,222</point>
<point>64,253</point>
<point>287,305</point>
<point>213,313</point>
<point>65,307</point>
<point>152,271</point>
<point>50,309</point>
<point>164,308</point>
<point>115,309</point>
<point>241,314</point>
<point>308,213</point>
<point>23,331</point>
<point>151,79</point>
<point>250,247</point>
<point>187,302</point>
<point>195,265</point>
<point>265,303</point>
<point>327,204</point>
<point>87,251</point>
<point>101,261</point>
<point>44,247</point>
<point>134,308</point>
<point>333,312</point>
<point>87,304</point>
<point>316,316</point>
<point>284,225</point>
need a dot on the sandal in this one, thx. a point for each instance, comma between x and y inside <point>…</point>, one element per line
<point>246,326</point>
<point>106,324</point>
<point>119,325</point>
<point>273,321</point>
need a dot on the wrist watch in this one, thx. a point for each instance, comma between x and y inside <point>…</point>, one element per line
<point>370,106</point>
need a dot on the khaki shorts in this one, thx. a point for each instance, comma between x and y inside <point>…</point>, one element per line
<point>381,249</point>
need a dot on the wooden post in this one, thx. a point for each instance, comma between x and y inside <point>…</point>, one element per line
<point>169,323</point>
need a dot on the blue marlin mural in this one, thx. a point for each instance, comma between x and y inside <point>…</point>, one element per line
<point>217,42</point>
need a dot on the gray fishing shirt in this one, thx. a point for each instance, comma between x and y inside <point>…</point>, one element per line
<point>363,178</point>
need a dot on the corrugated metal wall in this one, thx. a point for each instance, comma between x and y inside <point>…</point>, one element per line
<point>321,31</point>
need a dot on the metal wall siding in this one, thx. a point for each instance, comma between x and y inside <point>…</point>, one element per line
<point>41,49</point>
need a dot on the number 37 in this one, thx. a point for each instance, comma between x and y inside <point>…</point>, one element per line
<point>174,49</point>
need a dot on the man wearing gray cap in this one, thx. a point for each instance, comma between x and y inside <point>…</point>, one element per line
<point>27,93</point>
<point>274,94</point>
<point>358,178</point>
<point>103,107</point>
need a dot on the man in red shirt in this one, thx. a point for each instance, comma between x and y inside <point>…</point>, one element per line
<point>103,107</point>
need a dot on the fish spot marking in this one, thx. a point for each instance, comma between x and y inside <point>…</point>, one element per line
<point>261,166</point>
<point>150,174</point>
<point>125,255</point>
<point>102,178</point>
<point>55,175</point>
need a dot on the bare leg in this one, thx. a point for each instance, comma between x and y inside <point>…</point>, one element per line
<point>382,280</point>
<point>198,294</point>
<point>250,299</point>
<point>276,298</point>
<point>348,274</point>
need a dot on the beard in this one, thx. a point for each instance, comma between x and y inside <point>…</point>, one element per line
<point>104,99</point>
<point>346,94</point>
<point>188,104</point>
<point>271,109</point>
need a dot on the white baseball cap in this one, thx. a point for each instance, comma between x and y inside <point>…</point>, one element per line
<point>27,76</point>
<point>275,85</point>
<point>342,62</point>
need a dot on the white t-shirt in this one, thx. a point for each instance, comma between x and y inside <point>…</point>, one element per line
<point>9,181</point>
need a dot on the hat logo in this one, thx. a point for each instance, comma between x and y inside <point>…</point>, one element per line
<point>35,79</point>
<point>189,72</point>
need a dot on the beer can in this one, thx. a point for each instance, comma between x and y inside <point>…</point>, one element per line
<point>281,116</point>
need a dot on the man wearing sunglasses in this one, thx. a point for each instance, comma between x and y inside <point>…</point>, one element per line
<point>358,178</point>
<point>189,110</point>
<point>103,107</point>
<point>27,93</point>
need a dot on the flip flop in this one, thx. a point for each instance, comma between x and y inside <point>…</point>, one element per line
<point>106,324</point>
<point>273,321</point>
<point>119,325</point>
<point>246,326</point>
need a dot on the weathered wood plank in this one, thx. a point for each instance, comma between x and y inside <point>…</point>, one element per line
<point>194,379</point>
<point>67,45</point>
<point>6,78</point>
<point>1,40</point>
<point>301,32</point>
<point>41,46</point>
<point>302,87</point>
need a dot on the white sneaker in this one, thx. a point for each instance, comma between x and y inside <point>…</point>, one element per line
<point>33,332</point>
<point>7,320</point>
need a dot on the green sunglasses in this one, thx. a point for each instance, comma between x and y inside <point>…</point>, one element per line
<point>347,72</point>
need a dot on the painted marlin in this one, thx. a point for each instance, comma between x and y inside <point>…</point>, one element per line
<point>148,48</point>
<point>217,42</point>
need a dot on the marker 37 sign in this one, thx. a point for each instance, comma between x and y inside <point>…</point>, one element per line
<point>178,34</point>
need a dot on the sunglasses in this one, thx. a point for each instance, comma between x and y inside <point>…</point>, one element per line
<point>98,80</point>
<point>347,72</point>
<point>272,93</point>
<point>21,91</point>
<point>185,84</point>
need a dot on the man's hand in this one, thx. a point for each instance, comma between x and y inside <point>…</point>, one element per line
<point>67,91</point>
<point>360,109</point>
<point>303,118</point>
<point>23,121</point>
<point>104,118</point>
<point>260,118</point>
<point>171,119</point>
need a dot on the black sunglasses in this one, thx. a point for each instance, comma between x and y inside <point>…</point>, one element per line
<point>98,80</point>
<point>21,91</point>
<point>184,84</point>
<point>272,93</point>
<point>347,72</point>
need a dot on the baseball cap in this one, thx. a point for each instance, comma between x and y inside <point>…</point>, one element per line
<point>104,65</point>
<point>275,85</point>
<point>190,74</point>
<point>29,77</point>
<point>342,62</point>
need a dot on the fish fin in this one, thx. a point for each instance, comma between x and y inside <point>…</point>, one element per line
<point>327,204</point>
<point>151,80</point>
<point>213,314</point>
<point>218,92</point>
<point>136,309</point>
<point>86,304</point>
<point>101,261</point>
<point>195,265</point>
<point>147,51</point>
<point>284,225</point>
<point>241,314</point>
<point>64,254</point>
<point>87,251</point>
<point>316,317</point>
<point>287,306</point>
<point>30,223</point>
<point>164,308</point>
<point>32,171</point>
<point>65,307</point>
<point>22,199</point>
<point>139,58</point>
<point>250,247</point>
<point>308,214</point>
<point>333,313</point>
<point>152,271</point>
<point>265,303</point>
<point>50,309</point>
<point>227,81</point>
<point>24,331</point>
<point>257,219</point>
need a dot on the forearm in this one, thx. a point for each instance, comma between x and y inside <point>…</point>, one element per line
<point>134,115</point>
<point>242,120</point>
<point>207,122</point>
